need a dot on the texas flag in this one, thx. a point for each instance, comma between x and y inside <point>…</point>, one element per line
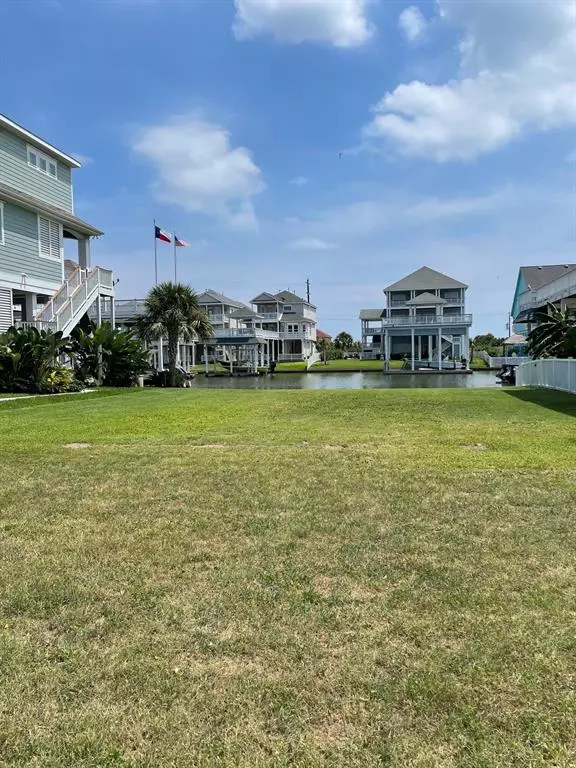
<point>161,235</point>
<point>180,243</point>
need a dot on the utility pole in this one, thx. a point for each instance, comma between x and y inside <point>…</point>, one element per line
<point>308,290</point>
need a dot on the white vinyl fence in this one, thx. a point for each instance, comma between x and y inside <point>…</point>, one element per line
<point>498,362</point>
<point>551,374</point>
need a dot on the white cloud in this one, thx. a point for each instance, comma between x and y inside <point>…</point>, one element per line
<point>198,169</point>
<point>341,23</point>
<point>517,75</point>
<point>312,244</point>
<point>299,181</point>
<point>412,23</point>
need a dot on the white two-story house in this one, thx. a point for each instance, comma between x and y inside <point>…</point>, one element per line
<point>36,217</point>
<point>293,318</point>
<point>424,321</point>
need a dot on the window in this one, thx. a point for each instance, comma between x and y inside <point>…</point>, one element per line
<point>42,162</point>
<point>287,307</point>
<point>293,328</point>
<point>1,223</point>
<point>49,238</point>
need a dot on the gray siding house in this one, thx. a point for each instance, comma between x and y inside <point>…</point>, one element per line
<point>37,287</point>
<point>424,321</point>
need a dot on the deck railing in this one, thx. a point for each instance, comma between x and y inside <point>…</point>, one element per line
<point>419,320</point>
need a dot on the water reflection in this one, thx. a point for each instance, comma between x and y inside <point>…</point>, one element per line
<point>366,380</point>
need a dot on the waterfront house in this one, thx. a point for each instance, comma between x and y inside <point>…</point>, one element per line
<point>424,321</point>
<point>293,318</point>
<point>538,286</point>
<point>36,217</point>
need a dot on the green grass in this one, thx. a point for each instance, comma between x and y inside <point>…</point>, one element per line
<point>274,579</point>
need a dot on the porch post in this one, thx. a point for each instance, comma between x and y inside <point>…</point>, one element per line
<point>84,253</point>
<point>440,348</point>
<point>193,352</point>
<point>412,345</point>
<point>386,349</point>
<point>160,354</point>
<point>113,311</point>
<point>99,311</point>
<point>420,347</point>
<point>206,357</point>
<point>29,306</point>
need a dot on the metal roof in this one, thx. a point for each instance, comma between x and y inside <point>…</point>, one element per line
<point>425,279</point>
<point>245,314</point>
<point>425,298</point>
<point>537,277</point>
<point>210,296</point>
<point>263,298</point>
<point>11,195</point>
<point>31,138</point>
<point>370,314</point>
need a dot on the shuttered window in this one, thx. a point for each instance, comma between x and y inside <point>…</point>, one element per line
<point>42,162</point>
<point>49,238</point>
<point>1,223</point>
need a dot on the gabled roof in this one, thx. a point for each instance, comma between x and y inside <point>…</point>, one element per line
<point>288,296</point>
<point>370,314</point>
<point>245,314</point>
<point>424,279</point>
<point>322,334</point>
<point>425,298</point>
<point>18,130</point>
<point>210,296</point>
<point>68,220</point>
<point>537,277</point>
<point>264,298</point>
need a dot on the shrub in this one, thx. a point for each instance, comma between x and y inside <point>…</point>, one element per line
<point>28,358</point>
<point>123,355</point>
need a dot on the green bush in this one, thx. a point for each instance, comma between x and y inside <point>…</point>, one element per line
<point>123,357</point>
<point>29,361</point>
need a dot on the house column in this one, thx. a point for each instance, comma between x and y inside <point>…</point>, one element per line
<point>206,357</point>
<point>412,346</point>
<point>29,307</point>
<point>386,349</point>
<point>420,347</point>
<point>440,348</point>
<point>113,311</point>
<point>160,354</point>
<point>84,253</point>
<point>193,352</point>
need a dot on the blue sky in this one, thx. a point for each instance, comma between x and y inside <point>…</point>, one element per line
<point>345,141</point>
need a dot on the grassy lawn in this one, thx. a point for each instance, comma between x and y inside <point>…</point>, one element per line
<point>275,579</point>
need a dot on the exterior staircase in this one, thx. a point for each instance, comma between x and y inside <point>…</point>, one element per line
<point>73,299</point>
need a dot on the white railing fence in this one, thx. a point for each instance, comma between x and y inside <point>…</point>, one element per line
<point>498,362</point>
<point>550,374</point>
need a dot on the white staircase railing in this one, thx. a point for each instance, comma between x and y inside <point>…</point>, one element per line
<point>74,297</point>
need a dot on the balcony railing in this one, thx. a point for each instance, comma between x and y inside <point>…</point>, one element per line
<point>561,288</point>
<point>419,320</point>
<point>270,315</point>
<point>254,333</point>
<point>404,303</point>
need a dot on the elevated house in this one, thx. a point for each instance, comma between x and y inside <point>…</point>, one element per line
<point>538,286</point>
<point>292,318</point>
<point>37,215</point>
<point>277,327</point>
<point>424,321</point>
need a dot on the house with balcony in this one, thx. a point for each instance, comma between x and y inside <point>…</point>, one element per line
<point>292,318</point>
<point>538,286</point>
<point>37,216</point>
<point>424,321</point>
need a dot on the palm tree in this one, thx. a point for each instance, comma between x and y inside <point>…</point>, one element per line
<point>172,310</point>
<point>555,334</point>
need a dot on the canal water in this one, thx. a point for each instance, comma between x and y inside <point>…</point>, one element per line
<point>364,380</point>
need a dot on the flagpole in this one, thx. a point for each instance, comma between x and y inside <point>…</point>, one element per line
<point>155,255</point>
<point>175,260</point>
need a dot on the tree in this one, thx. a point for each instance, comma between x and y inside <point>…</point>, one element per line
<point>324,348</point>
<point>172,310</point>
<point>555,334</point>
<point>487,342</point>
<point>343,341</point>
